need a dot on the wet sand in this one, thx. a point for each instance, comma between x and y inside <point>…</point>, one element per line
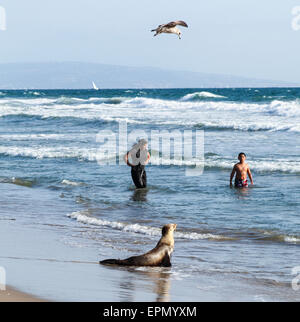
<point>56,262</point>
<point>12,295</point>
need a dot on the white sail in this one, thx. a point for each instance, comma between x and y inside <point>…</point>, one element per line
<point>95,87</point>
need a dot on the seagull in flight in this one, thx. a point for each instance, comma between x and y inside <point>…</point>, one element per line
<point>170,28</point>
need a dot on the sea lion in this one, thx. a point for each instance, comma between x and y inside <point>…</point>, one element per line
<point>158,256</point>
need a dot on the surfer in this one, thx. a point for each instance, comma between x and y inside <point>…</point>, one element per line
<point>240,170</point>
<point>140,157</point>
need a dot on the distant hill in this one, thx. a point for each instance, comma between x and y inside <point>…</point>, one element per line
<point>70,75</point>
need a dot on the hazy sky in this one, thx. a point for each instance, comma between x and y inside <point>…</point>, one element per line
<point>251,38</point>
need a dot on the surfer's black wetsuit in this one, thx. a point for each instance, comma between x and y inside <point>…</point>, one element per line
<point>138,174</point>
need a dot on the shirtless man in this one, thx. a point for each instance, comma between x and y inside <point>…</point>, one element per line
<point>241,170</point>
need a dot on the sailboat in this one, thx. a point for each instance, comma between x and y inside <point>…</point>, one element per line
<point>95,87</point>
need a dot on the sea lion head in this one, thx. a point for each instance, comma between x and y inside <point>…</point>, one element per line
<point>168,228</point>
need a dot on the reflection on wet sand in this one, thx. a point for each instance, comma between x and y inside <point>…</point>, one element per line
<point>153,279</point>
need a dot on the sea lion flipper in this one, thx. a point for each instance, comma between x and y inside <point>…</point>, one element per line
<point>111,262</point>
<point>126,262</point>
<point>166,261</point>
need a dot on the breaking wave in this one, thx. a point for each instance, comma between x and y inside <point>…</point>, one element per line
<point>200,95</point>
<point>94,154</point>
<point>211,115</point>
<point>83,217</point>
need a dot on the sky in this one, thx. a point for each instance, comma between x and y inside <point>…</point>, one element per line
<point>251,38</point>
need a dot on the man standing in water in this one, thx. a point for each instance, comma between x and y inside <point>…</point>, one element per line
<point>140,157</point>
<point>240,170</point>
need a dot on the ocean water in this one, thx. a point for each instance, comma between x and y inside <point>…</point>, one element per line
<point>48,145</point>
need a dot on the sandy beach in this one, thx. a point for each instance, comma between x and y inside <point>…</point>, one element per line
<point>58,263</point>
<point>12,295</point>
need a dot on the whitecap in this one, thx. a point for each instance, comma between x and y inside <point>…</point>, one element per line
<point>193,96</point>
<point>71,183</point>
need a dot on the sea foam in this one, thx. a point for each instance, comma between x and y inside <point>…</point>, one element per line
<point>92,154</point>
<point>84,217</point>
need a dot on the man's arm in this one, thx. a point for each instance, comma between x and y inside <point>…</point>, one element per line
<point>250,175</point>
<point>232,174</point>
<point>126,159</point>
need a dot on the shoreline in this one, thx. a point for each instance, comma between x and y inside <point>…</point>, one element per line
<point>13,295</point>
<point>53,258</point>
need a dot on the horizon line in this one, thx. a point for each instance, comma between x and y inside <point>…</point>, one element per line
<point>146,88</point>
<point>289,83</point>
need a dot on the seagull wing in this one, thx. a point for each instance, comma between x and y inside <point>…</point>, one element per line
<point>158,28</point>
<point>161,26</point>
<point>181,23</point>
<point>175,23</point>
